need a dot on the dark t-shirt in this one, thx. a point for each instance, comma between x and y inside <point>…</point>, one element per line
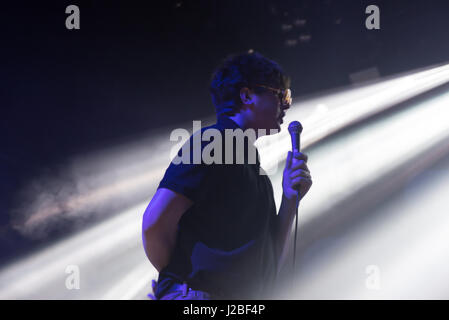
<point>225,243</point>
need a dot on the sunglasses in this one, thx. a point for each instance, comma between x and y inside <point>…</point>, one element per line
<point>285,95</point>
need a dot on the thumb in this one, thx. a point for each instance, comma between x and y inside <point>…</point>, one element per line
<point>289,159</point>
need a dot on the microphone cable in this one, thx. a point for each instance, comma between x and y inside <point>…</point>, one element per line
<point>296,234</point>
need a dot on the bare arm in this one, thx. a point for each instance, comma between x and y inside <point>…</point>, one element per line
<point>284,221</point>
<point>159,226</point>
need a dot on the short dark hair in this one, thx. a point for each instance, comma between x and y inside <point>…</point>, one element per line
<point>243,70</point>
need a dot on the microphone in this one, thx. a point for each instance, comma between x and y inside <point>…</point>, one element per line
<point>295,129</point>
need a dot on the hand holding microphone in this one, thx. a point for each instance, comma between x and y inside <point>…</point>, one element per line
<point>296,180</point>
<point>296,175</point>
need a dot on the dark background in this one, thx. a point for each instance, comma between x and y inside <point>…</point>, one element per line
<point>135,66</point>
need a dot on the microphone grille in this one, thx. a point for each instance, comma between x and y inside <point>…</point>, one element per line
<point>295,127</point>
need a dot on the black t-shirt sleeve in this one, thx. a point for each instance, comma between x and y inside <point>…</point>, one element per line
<point>188,179</point>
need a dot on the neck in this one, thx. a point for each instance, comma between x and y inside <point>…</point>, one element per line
<point>244,123</point>
<point>240,120</point>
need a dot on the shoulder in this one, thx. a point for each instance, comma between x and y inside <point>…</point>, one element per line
<point>203,147</point>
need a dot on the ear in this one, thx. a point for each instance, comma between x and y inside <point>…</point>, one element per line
<point>246,96</point>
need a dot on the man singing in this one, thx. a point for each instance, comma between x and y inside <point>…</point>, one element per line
<point>211,230</point>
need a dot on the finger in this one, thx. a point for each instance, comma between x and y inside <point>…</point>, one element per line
<point>289,159</point>
<point>300,173</point>
<point>301,181</point>
<point>300,156</point>
<point>154,285</point>
<point>301,164</point>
